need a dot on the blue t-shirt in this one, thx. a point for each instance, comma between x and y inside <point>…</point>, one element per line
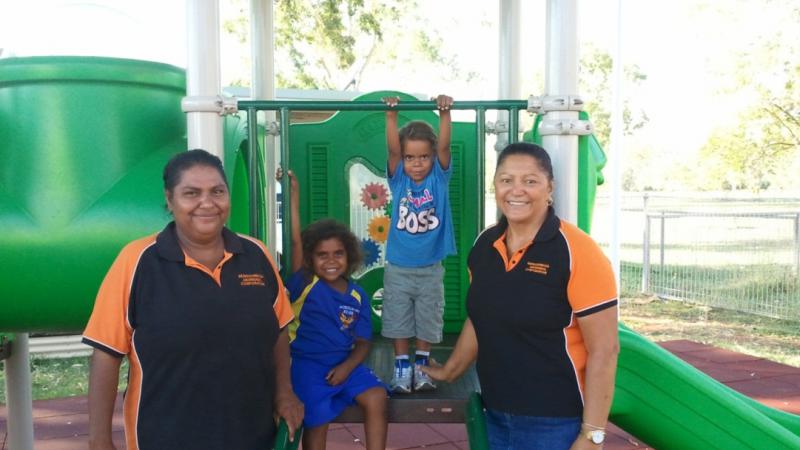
<point>327,322</point>
<point>422,225</point>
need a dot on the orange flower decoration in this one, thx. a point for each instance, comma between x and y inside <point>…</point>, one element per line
<point>379,228</point>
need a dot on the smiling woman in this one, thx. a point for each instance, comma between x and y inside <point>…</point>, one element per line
<point>196,309</point>
<point>197,196</point>
<point>540,288</point>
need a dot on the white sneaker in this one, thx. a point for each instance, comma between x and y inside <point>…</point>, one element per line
<point>401,380</point>
<point>422,382</point>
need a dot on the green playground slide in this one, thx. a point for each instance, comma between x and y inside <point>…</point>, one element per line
<point>671,405</point>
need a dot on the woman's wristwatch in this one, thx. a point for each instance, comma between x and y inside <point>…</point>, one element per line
<point>596,436</point>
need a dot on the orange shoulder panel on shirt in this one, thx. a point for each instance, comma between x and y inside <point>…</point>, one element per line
<point>282,306</point>
<point>108,324</point>
<point>592,281</point>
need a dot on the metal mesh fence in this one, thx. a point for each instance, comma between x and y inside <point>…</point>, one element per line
<point>734,252</point>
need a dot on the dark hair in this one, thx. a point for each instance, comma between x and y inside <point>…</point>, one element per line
<point>534,151</point>
<point>325,229</point>
<point>184,161</point>
<point>417,130</point>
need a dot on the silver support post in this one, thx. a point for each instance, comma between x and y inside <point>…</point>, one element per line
<point>561,78</point>
<point>616,149</point>
<point>204,129</point>
<point>509,83</point>
<point>18,395</point>
<point>262,54</point>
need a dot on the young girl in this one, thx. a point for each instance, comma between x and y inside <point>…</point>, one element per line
<point>330,337</point>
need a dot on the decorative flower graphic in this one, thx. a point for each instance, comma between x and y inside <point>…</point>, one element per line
<point>372,252</point>
<point>374,195</point>
<point>379,228</point>
<point>387,210</point>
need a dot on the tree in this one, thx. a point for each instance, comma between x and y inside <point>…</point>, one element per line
<point>755,150</point>
<point>595,86</point>
<point>329,44</point>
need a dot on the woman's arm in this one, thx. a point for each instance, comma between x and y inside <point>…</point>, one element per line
<point>287,405</point>
<point>602,345</point>
<point>338,374</point>
<point>443,103</point>
<point>103,380</point>
<point>464,354</point>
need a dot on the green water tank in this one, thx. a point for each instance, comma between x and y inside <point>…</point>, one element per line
<point>83,141</point>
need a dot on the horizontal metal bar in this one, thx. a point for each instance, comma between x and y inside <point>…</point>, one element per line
<point>669,214</point>
<point>411,105</point>
<point>59,346</point>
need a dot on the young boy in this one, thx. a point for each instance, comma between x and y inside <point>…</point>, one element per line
<point>420,237</point>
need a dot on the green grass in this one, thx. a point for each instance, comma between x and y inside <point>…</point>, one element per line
<point>59,377</point>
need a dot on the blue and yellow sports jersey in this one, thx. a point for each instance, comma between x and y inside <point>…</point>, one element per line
<point>327,321</point>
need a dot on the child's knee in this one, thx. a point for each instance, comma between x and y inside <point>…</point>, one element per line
<point>374,399</point>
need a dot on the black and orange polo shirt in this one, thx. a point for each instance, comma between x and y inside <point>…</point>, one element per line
<point>531,357</point>
<point>200,342</point>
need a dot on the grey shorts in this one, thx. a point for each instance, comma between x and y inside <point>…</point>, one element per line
<point>413,302</point>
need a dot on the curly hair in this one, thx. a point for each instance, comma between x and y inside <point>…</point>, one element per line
<point>328,229</point>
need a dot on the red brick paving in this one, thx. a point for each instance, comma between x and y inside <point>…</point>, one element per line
<point>61,424</point>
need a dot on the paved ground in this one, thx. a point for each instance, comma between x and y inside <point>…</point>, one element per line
<point>62,424</point>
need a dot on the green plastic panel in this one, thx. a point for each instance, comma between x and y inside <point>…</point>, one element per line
<point>344,158</point>
<point>475,421</point>
<point>282,441</point>
<point>83,142</point>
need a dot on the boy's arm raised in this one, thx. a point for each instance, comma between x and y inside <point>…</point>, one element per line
<point>392,135</point>
<point>443,103</point>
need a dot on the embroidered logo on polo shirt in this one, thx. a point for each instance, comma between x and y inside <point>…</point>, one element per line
<point>251,279</point>
<point>540,268</point>
<point>347,315</point>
